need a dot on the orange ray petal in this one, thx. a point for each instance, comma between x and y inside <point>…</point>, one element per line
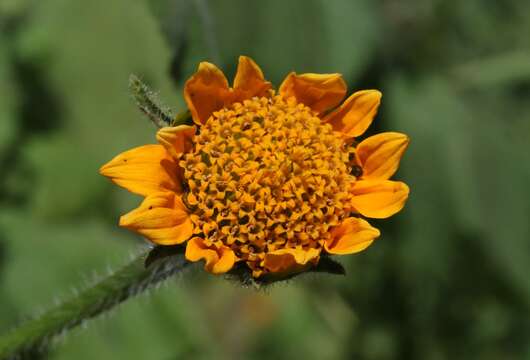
<point>355,115</point>
<point>249,80</point>
<point>351,236</point>
<point>177,140</point>
<point>144,170</point>
<point>217,261</point>
<point>205,92</point>
<point>162,218</point>
<point>290,260</point>
<point>379,155</point>
<point>320,92</point>
<point>379,199</point>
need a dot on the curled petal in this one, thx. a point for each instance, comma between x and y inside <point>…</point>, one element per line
<point>320,92</point>
<point>144,170</point>
<point>177,140</point>
<point>379,199</point>
<point>290,260</point>
<point>217,260</point>
<point>351,236</point>
<point>249,80</point>
<point>355,115</point>
<point>379,155</point>
<point>162,218</point>
<point>205,92</point>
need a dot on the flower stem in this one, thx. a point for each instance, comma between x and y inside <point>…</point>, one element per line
<point>35,335</point>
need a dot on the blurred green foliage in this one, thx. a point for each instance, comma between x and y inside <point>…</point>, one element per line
<point>448,278</point>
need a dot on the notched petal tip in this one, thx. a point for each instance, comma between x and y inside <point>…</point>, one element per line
<point>162,218</point>
<point>352,236</point>
<point>379,199</point>
<point>177,140</point>
<point>217,260</point>
<point>290,260</point>
<point>205,92</point>
<point>379,155</point>
<point>249,80</point>
<point>355,115</point>
<point>320,92</point>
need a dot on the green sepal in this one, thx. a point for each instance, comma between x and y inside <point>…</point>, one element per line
<point>159,253</point>
<point>243,274</point>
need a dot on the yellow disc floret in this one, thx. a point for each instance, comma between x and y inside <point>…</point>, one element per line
<point>266,174</point>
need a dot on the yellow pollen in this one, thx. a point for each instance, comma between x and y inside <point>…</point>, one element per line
<point>266,174</point>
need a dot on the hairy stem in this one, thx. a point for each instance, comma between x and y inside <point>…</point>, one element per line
<point>130,280</point>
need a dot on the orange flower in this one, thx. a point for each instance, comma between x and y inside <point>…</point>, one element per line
<point>267,179</point>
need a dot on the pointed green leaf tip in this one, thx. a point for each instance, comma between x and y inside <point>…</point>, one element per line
<point>149,103</point>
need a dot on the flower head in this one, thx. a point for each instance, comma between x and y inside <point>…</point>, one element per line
<point>271,180</point>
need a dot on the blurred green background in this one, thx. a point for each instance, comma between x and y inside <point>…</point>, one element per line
<point>450,276</point>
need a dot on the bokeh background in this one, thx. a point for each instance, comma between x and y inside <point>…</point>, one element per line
<point>450,276</point>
